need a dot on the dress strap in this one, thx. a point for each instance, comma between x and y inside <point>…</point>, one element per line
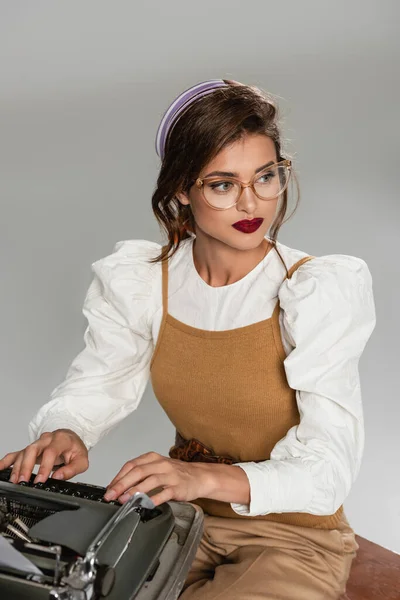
<point>164,279</point>
<point>164,285</point>
<point>276,311</point>
<point>294,267</point>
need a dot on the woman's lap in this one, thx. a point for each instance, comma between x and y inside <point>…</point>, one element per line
<point>240,559</point>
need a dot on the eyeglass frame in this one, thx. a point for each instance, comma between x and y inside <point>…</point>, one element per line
<point>199,183</point>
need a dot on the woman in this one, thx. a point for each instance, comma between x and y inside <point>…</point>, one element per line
<point>252,348</point>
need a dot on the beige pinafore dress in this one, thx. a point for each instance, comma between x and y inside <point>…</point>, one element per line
<point>228,389</point>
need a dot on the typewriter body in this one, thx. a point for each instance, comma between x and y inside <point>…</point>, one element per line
<point>72,545</point>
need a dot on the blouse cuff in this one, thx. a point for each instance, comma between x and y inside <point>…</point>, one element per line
<point>272,483</point>
<point>51,424</point>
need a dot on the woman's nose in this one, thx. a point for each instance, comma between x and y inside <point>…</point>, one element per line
<point>247,199</point>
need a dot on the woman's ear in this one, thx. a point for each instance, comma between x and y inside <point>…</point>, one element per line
<point>183,198</point>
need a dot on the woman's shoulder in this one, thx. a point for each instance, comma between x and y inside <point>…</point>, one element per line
<point>326,280</point>
<point>126,275</point>
<point>329,264</point>
<point>133,248</point>
<point>129,255</point>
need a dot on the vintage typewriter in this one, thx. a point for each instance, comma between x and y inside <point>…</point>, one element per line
<point>61,540</point>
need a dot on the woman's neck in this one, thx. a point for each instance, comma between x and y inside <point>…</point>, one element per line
<point>219,264</point>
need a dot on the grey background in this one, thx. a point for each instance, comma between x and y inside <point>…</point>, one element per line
<point>83,86</point>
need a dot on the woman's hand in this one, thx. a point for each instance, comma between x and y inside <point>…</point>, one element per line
<point>180,480</point>
<point>51,449</point>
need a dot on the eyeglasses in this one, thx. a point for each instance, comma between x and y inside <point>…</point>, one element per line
<point>222,193</point>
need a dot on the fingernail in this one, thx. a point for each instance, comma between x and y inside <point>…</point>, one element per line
<point>38,479</point>
<point>57,475</point>
<point>22,478</point>
<point>124,497</point>
<point>13,478</point>
<point>110,495</point>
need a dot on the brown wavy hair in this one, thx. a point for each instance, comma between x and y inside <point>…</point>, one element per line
<point>201,132</point>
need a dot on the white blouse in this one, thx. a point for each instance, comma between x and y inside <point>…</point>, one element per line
<point>327,315</point>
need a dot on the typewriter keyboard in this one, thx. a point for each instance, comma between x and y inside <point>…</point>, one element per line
<point>69,488</point>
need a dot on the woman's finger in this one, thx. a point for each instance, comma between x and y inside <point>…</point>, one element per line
<point>121,473</point>
<point>8,460</point>
<point>163,493</point>
<point>145,486</point>
<point>16,467</point>
<point>137,478</point>
<point>78,464</point>
<point>167,494</point>
<point>139,461</point>
<point>30,456</point>
<point>50,455</point>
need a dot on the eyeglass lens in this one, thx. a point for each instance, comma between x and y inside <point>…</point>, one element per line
<point>225,192</point>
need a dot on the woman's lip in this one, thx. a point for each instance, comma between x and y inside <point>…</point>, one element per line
<point>248,221</point>
<point>248,226</point>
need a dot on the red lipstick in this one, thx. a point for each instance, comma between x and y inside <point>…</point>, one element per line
<point>247,225</point>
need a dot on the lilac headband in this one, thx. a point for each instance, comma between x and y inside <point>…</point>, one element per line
<point>178,105</point>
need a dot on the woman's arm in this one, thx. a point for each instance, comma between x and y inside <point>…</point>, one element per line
<point>107,379</point>
<point>329,315</point>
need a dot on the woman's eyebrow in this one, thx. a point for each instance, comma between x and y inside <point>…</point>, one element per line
<point>232,174</point>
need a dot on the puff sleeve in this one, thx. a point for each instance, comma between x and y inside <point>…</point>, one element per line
<point>328,317</point>
<point>106,381</point>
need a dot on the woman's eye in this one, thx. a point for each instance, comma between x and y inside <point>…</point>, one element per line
<point>267,177</point>
<point>221,186</point>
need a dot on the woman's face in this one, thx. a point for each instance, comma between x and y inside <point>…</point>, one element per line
<point>242,159</point>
